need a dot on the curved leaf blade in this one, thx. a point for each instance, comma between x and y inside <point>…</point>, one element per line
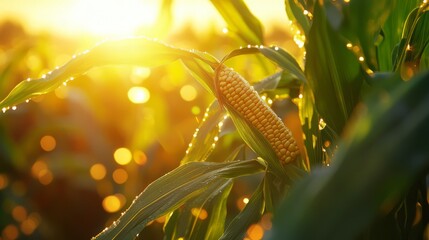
<point>250,214</point>
<point>172,190</point>
<point>133,51</point>
<point>383,155</point>
<point>240,21</point>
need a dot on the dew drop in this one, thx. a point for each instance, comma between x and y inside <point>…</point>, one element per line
<point>27,101</point>
<point>276,48</point>
<point>216,138</point>
<point>44,76</point>
<point>4,110</point>
<point>249,46</point>
<point>14,108</point>
<point>361,59</point>
<point>28,79</point>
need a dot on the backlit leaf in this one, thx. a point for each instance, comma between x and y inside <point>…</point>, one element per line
<point>173,190</point>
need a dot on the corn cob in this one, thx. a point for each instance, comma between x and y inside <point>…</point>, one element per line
<point>238,94</point>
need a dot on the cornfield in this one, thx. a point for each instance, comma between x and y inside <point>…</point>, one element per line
<point>334,138</point>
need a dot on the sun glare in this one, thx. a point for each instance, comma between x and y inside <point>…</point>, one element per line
<point>112,17</point>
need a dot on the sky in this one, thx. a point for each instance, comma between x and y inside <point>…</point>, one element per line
<point>114,17</point>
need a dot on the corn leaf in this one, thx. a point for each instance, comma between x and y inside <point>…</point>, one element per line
<point>240,21</point>
<point>134,51</point>
<point>392,33</point>
<point>424,61</point>
<point>413,42</point>
<point>201,145</point>
<point>383,154</point>
<point>173,190</point>
<point>184,222</point>
<point>250,214</point>
<point>276,54</point>
<point>333,72</point>
<point>361,22</point>
<point>295,12</point>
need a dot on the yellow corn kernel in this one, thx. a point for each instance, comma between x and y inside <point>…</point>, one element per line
<point>238,93</point>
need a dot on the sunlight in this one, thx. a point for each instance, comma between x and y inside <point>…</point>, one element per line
<point>111,17</point>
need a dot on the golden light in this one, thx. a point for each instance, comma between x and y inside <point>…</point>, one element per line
<point>40,171</point>
<point>139,74</point>
<point>138,95</point>
<point>30,224</point>
<point>10,232</point>
<point>112,17</point>
<point>19,213</point>
<point>111,203</point>
<point>255,232</point>
<point>120,176</point>
<point>201,213</point>
<point>241,202</point>
<point>4,181</point>
<point>195,110</point>
<point>48,143</point>
<point>122,156</point>
<point>97,171</point>
<point>140,157</point>
<point>46,177</point>
<point>188,93</point>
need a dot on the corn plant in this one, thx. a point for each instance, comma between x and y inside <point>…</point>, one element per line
<point>354,168</point>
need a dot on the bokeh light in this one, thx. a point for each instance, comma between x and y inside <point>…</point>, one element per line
<point>48,143</point>
<point>4,181</point>
<point>188,93</point>
<point>30,224</point>
<point>200,213</point>
<point>122,156</point>
<point>138,95</point>
<point>111,203</point>
<point>139,157</point>
<point>120,176</point>
<point>140,74</point>
<point>255,232</point>
<point>97,171</point>
<point>10,232</point>
<point>19,213</point>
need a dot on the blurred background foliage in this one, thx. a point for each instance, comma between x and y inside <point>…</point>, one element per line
<point>79,156</point>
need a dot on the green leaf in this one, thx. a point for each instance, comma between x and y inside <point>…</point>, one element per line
<point>414,40</point>
<point>362,22</point>
<point>134,51</point>
<point>392,33</point>
<point>250,214</point>
<point>240,21</point>
<point>276,54</point>
<point>171,191</point>
<point>424,61</point>
<point>204,137</point>
<point>383,155</point>
<point>295,12</point>
<point>185,223</point>
<point>333,72</point>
